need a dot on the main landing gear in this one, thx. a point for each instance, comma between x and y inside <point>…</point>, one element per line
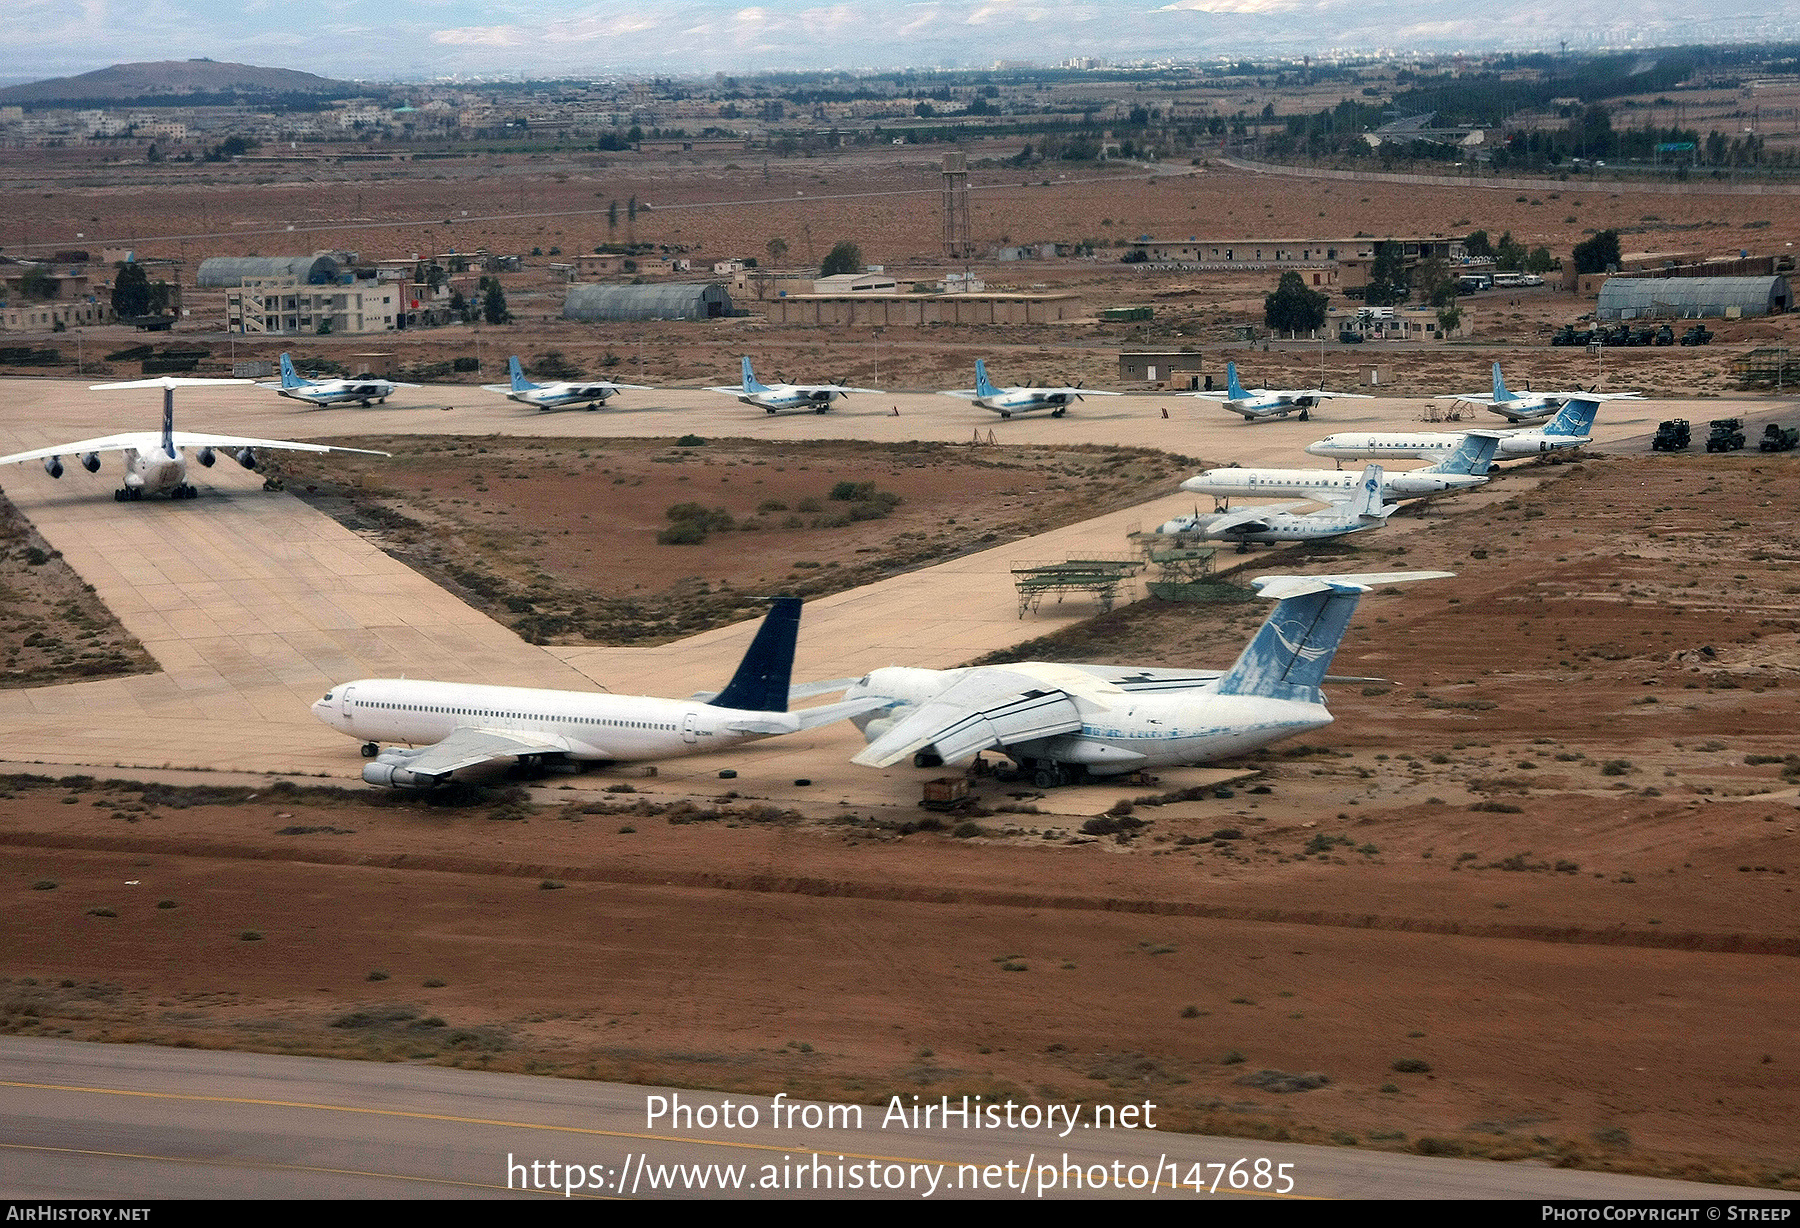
<point>1057,413</point>
<point>370,750</point>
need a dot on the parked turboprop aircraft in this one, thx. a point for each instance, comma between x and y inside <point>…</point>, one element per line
<point>156,462</point>
<point>775,398</point>
<point>558,395</point>
<point>363,389</point>
<point>1066,722</point>
<point>1009,401</point>
<point>453,725</point>
<point>1278,522</point>
<point>1531,406</point>
<point>1256,403</point>
<point>1569,429</point>
<point>1463,468</point>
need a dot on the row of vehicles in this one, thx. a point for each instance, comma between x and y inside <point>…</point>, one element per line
<point>1625,335</point>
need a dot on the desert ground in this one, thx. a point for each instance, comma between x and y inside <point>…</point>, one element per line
<point>1527,898</point>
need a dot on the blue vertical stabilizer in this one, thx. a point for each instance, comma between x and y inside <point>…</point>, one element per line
<point>761,681</point>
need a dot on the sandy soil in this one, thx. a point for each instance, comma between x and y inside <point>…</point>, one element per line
<point>1553,861</point>
<point>560,538</point>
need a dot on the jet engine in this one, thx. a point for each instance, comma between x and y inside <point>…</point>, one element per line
<point>90,461</point>
<point>205,457</point>
<point>247,457</point>
<point>389,768</point>
<point>53,466</point>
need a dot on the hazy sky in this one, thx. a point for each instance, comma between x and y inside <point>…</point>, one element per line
<point>546,38</point>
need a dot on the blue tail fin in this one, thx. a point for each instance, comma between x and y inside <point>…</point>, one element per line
<point>1233,389</point>
<point>1500,392</point>
<point>761,681</point>
<point>288,378</point>
<point>984,387</point>
<point>1474,455</point>
<point>1292,651</point>
<point>168,438</point>
<point>519,382</point>
<point>1576,417</point>
<point>750,382</point>
<point>1369,502</point>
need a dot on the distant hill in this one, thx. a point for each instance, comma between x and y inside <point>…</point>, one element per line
<point>170,79</point>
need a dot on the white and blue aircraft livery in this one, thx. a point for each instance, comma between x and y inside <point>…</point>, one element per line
<point>593,393</point>
<point>363,389</point>
<point>155,463</point>
<point>450,726</point>
<point>1530,406</point>
<point>1254,403</point>
<point>779,398</point>
<point>1464,468</point>
<point>1066,723</point>
<point>1278,522</point>
<point>1009,401</point>
<point>1569,429</point>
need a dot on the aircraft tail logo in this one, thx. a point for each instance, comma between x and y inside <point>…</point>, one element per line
<point>761,681</point>
<point>289,379</point>
<point>1233,389</point>
<point>1370,503</point>
<point>1576,417</point>
<point>750,381</point>
<point>984,387</point>
<point>519,382</point>
<point>1474,455</point>
<point>1292,651</point>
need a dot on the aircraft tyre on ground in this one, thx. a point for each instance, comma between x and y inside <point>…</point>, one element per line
<point>370,750</point>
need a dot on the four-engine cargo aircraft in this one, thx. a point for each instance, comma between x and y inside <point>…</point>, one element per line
<point>155,463</point>
<point>1065,723</point>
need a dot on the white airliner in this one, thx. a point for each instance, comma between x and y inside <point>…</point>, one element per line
<point>1569,429</point>
<point>1256,403</point>
<point>1466,467</point>
<point>451,725</point>
<point>1278,522</point>
<point>1532,406</point>
<point>556,396</point>
<point>776,398</point>
<point>156,463</point>
<point>1009,401</point>
<point>362,390</point>
<point>1063,723</point>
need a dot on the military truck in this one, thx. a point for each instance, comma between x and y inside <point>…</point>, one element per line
<point>1699,334</point>
<point>1665,336</point>
<point>1778,438</point>
<point>1671,436</point>
<point>1727,435</point>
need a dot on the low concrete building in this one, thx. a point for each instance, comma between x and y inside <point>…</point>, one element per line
<point>882,310</point>
<point>285,306</point>
<point>1177,368</point>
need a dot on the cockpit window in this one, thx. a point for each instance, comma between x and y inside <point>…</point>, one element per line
<point>327,697</point>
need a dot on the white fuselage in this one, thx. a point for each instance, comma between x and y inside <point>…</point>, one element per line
<point>1232,483</point>
<point>1010,401</point>
<point>341,391</point>
<point>1261,403</point>
<point>1433,445</point>
<point>151,470</point>
<point>556,396</point>
<point>787,398</point>
<point>1277,527</point>
<point>1138,730</point>
<point>592,725</point>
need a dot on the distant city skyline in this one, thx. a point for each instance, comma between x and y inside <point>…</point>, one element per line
<point>360,39</point>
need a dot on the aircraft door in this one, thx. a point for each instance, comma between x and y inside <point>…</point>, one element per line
<point>346,701</point>
<point>687,728</point>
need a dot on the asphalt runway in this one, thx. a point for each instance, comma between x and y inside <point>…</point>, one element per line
<point>88,1121</point>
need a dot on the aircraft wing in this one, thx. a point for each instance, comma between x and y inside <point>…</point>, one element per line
<point>188,439</point>
<point>606,383</point>
<point>967,394</point>
<point>1074,392</point>
<point>1251,518</point>
<point>1322,395</point>
<point>484,387</point>
<point>839,388</point>
<point>107,443</point>
<point>468,746</point>
<point>987,708</point>
<point>1216,397</point>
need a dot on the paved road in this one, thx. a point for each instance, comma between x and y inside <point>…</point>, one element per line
<point>119,1121</point>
